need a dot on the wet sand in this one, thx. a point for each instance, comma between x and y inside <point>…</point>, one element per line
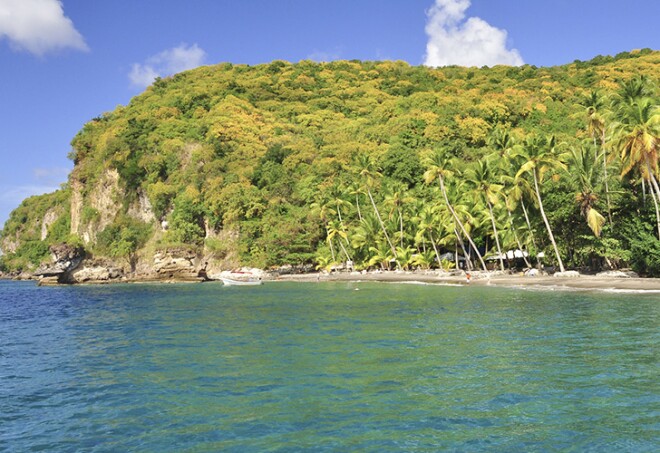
<point>583,282</point>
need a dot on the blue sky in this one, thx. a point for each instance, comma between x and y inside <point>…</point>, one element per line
<point>65,62</point>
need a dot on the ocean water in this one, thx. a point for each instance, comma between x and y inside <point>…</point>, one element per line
<point>326,367</point>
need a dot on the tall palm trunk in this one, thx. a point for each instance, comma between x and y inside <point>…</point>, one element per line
<point>497,239</point>
<point>348,257</point>
<point>341,224</point>
<point>656,195</point>
<point>515,235</point>
<point>545,220</point>
<point>468,260</point>
<point>332,250</point>
<point>435,248</point>
<point>459,223</point>
<point>607,188</point>
<point>529,225</point>
<point>400,227</point>
<point>357,205</point>
<point>382,225</point>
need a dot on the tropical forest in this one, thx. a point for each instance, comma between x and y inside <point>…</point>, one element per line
<point>378,164</point>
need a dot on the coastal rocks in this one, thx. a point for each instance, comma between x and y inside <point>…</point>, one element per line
<point>65,259</point>
<point>179,265</point>
<point>567,274</point>
<point>95,273</point>
<point>618,274</point>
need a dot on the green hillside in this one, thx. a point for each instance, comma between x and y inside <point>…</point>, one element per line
<point>378,162</point>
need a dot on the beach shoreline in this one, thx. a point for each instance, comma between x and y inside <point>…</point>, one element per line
<point>583,282</point>
<point>544,282</point>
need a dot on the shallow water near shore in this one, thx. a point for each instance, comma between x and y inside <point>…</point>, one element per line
<point>326,367</point>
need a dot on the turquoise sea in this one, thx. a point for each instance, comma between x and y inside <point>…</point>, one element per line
<point>327,367</point>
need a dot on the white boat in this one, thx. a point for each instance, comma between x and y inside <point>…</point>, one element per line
<point>246,282</point>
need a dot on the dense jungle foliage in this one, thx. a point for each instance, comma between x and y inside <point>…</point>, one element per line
<point>380,164</point>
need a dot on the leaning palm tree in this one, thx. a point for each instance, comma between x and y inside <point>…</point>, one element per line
<point>481,177</point>
<point>540,157</point>
<point>368,171</point>
<point>334,229</point>
<point>637,140</point>
<point>440,167</point>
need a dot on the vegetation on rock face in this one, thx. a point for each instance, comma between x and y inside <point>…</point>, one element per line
<point>40,221</point>
<point>376,163</point>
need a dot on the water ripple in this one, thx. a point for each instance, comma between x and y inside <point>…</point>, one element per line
<point>321,367</point>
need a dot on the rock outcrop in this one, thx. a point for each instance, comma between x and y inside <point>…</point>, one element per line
<point>65,259</point>
<point>179,265</point>
<point>95,272</point>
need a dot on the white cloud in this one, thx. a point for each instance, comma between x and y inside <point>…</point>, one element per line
<point>472,42</point>
<point>38,26</point>
<point>166,63</point>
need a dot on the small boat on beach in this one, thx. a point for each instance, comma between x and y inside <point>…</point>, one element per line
<point>242,282</point>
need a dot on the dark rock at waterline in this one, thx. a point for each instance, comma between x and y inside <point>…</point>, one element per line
<point>65,259</point>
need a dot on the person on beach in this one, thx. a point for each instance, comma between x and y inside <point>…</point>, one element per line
<point>468,277</point>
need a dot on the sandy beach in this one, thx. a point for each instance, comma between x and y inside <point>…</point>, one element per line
<point>583,282</point>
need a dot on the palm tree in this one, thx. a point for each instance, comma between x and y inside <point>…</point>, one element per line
<point>594,105</point>
<point>480,176</point>
<point>423,259</point>
<point>510,205</point>
<point>369,173</point>
<point>439,168</point>
<point>364,235</point>
<point>321,207</point>
<point>636,140</point>
<point>405,256</point>
<point>426,221</point>
<point>583,171</point>
<point>396,199</point>
<point>356,190</point>
<point>381,254</point>
<point>540,158</point>
<point>632,91</point>
<point>335,228</point>
<point>503,146</point>
<point>336,198</point>
<point>500,142</point>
